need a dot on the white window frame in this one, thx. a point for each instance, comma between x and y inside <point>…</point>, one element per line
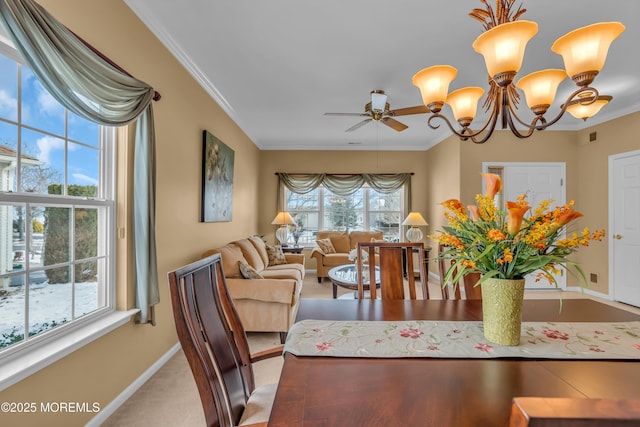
<point>29,356</point>
<point>366,212</point>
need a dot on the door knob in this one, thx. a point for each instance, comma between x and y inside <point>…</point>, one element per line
<point>617,236</point>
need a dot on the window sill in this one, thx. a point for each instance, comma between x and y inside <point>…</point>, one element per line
<point>27,363</point>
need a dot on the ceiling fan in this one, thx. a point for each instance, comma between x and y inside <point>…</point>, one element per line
<point>378,109</point>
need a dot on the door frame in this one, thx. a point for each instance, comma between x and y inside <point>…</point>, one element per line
<point>611,274</point>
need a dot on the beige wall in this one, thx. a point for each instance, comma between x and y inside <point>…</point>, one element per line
<point>103,369</point>
<point>337,162</point>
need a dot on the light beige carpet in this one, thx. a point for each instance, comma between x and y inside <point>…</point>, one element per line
<point>170,398</point>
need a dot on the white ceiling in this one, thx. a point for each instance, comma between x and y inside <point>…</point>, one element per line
<point>277,66</point>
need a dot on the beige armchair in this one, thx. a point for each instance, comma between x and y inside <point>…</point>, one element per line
<point>343,243</point>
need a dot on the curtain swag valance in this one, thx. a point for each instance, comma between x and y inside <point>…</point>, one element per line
<point>344,185</point>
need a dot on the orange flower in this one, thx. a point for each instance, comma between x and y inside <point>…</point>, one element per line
<point>516,213</point>
<point>475,213</point>
<point>495,235</point>
<point>565,216</point>
<point>493,183</point>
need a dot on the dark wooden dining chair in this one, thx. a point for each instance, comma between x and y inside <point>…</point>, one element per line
<point>466,282</point>
<point>574,412</point>
<point>392,260</point>
<point>216,347</point>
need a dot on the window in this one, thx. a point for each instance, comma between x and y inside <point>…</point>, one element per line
<point>366,209</point>
<point>56,213</point>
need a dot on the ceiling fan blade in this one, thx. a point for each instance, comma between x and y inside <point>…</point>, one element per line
<point>394,124</point>
<point>346,114</point>
<point>420,109</point>
<point>358,125</point>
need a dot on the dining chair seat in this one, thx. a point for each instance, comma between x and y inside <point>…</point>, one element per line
<point>216,347</point>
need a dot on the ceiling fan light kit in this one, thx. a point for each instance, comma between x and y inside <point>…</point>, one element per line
<point>502,45</point>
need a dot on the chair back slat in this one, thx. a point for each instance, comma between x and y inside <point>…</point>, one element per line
<point>213,340</point>
<point>391,262</point>
<point>466,282</point>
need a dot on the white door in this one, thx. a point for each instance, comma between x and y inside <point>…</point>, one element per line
<point>624,234</point>
<point>539,181</point>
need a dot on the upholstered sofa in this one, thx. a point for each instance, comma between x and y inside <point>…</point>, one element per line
<point>342,243</point>
<point>269,302</point>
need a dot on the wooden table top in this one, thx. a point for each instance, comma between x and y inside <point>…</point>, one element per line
<point>329,391</point>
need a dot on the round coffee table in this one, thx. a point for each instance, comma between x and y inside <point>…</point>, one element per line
<point>346,277</point>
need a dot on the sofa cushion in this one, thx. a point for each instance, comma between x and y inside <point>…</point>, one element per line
<point>336,259</point>
<point>230,254</point>
<point>248,272</point>
<point>268,290</point>
<point>261,247</point>
<point>276,256</point>
<point>281,273</point>
<point>251,254</point>
<point>326,246</point>
<point>339,239</point>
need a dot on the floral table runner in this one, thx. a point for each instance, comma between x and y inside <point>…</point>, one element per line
<point>455,339</point>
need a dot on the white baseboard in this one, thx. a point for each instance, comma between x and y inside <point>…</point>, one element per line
<point>113,406</point>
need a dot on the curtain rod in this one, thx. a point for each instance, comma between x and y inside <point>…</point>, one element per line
<point>343,174</point>
<point>156,94</point>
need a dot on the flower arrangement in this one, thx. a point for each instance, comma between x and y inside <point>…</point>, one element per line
<point>505,244</point>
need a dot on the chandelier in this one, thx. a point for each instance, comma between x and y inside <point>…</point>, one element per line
<point>503,44</point>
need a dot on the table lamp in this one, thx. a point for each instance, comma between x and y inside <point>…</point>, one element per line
<point>283,219</point>
<point>415,220</point>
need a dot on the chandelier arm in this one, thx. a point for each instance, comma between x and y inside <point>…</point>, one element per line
<point>545,124</point>
<point>510,114</point>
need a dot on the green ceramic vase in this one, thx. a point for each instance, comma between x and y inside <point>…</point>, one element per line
<point>502,310</point>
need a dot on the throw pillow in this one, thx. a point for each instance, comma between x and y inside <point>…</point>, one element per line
<point>248,272</point>
<point>326,246</point>
<point>276,256</point>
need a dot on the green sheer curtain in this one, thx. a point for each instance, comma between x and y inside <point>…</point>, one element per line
<point>345,184</point>
<point>90,86</point>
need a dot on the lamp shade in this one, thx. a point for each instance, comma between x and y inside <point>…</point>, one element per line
<point>503,46</point>
<point>414,219</point>
<point>283,218</point>
<point>464,102</point>
<point>433,83</point>
<point>586,48</point>
<point>540,87</point>
<point>582,111</point>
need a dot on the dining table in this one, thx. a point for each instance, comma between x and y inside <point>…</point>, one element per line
<point>317,391</point>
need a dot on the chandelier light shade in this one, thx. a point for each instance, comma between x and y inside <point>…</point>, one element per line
<point>502,45</point>
<point>464,103</point>
<point>433,83</point>
<point>283,219</point>
<point>540,88</point>
<point>415,220</point>
<point>583,111</point>
<point>584,50</point>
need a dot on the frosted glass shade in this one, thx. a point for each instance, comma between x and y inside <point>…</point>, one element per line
<point>464,102</point>
<point>580,111</point>
<point>503,45</point>
<point>586,48</point>
<point>433,82</point>
<point>540,87</point>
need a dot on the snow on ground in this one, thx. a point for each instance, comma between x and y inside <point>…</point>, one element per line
<point>47,303</point>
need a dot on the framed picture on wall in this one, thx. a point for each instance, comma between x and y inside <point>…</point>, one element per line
<point>217,179</point>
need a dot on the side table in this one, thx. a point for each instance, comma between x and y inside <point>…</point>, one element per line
<point>292,249</point>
